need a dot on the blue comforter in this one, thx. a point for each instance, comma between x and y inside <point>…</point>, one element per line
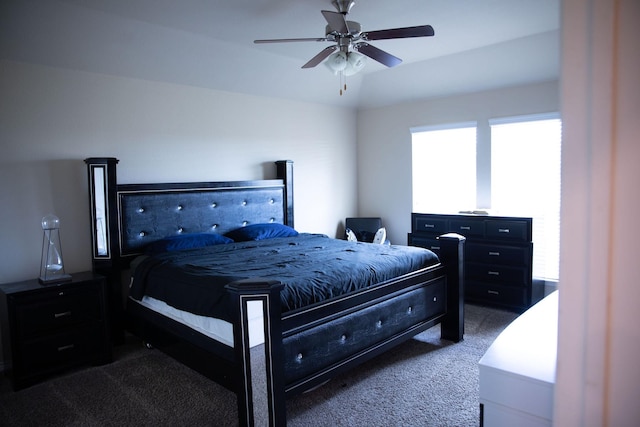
<point>312,267</point>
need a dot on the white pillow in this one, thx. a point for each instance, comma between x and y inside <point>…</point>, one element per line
<point>380,237</point>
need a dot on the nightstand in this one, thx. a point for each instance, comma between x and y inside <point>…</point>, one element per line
<point>49,328</point>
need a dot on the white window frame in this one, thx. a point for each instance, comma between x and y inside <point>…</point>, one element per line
<point>483,157</point>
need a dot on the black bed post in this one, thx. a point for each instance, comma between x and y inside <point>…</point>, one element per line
<point>105,258</point>
<point>284,171</point>
<point>260,387</point>
<point>452,255</point>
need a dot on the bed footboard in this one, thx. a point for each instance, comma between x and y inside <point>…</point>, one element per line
<point>299,354</point>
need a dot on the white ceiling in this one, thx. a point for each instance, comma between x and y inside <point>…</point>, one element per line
<point>479,44</point>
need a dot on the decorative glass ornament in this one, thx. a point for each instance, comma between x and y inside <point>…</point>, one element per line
<point>51,265</point>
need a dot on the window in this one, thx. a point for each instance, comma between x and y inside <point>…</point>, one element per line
<point>433,152</point>
<point>525,180</point>
<point>511,167</point>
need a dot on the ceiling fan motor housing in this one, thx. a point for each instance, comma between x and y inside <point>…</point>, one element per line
<point>354,30</point>
<point>343,6</point>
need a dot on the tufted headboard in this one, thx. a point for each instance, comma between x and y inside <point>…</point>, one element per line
<point>148,213</point>
<point>126,217</point>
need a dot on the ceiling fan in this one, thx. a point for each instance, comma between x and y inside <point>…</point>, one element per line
<point>351,43</point>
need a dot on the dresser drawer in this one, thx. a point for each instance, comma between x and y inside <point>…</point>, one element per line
<point>498,254</point>
<point>509,230</point>
<point>57,308</point>
<point>496,294</point>
<point>468,227</point>
<point>428,224</point>
<point>56,351</point>
<point>514,276</point>
<point>430,243</point>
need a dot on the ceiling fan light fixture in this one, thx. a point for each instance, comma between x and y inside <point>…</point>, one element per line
<point>337,62</point>
<point>347,63</point>
<point>344,64</point>
<point>355,63</point>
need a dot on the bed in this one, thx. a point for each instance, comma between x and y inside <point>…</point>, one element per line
<point>269,316</point>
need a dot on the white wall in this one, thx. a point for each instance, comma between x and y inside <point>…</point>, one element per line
<point>384,143</point>
<point>52,119</point>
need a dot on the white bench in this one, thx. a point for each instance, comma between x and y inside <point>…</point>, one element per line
<point>518,371</point>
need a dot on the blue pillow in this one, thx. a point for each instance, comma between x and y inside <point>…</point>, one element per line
<point>261,232</point>
<point>186,241</point>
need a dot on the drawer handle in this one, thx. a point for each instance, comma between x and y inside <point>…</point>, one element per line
<point>493,292</point>
<point>435,248</point>
<point>63,314</point>
<point>493,273</point>
<point>503,230</point>
<point>494,253</point>
<point>465,227</point>
<point>66,347</point>
<point>429,226</point>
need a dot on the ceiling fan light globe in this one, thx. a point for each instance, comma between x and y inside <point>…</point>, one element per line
<point>337,62</point>
<point>355,63</point>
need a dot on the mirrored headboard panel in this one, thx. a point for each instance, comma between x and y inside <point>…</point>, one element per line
<point>102,183</point>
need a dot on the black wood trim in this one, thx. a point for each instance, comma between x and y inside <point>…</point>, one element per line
<point>284,170</point>
<point>452,255</point>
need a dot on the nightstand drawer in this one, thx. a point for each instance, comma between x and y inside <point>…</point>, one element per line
<point>56,309</point>
<point>510,230</point>
<point>501,274</point>
<point>57,351</point>
<point>497,254</point>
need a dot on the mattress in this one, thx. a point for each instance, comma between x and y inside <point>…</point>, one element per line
<point>217,329</point>
<point>313,268</point>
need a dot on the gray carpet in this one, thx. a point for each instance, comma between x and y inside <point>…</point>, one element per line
<point>423,382</point>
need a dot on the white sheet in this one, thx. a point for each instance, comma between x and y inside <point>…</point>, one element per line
<point>217,329</point>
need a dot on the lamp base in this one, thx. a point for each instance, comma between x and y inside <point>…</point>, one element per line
<point>59,278</point>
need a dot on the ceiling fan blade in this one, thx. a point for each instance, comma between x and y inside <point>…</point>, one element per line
<point>310,39</point>
<point>378,54</point>
<point>399,33</point>
<point>324,53</point>
<point>336,21</point>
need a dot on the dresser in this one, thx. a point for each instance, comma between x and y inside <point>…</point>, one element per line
<point>50,328</point>
<point>498,255</point>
